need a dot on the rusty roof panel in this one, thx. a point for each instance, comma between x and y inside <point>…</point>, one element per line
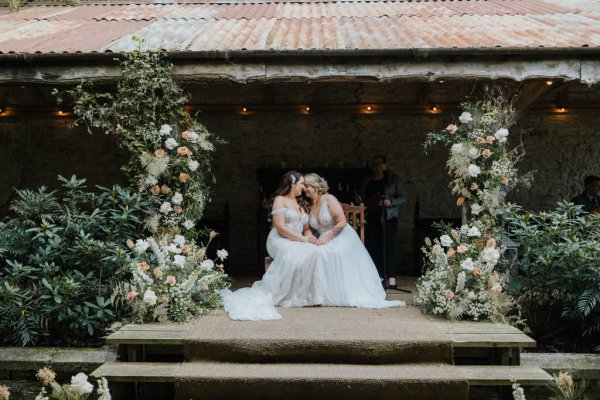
<point>290,25</point>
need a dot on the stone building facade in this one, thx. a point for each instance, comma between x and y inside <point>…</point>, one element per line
<point>562,146</point>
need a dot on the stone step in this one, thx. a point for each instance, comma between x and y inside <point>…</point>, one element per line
<point>216,380</point>
<point>317,335</point>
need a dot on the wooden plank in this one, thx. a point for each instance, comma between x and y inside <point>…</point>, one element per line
<point>502,375</point>
<point>480,328</point>
<point>492,340</point>
<point>138,371</point>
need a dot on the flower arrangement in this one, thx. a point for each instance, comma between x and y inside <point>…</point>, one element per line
<point>466,273</point>
<point>78,389</point>
<point>172,279</point>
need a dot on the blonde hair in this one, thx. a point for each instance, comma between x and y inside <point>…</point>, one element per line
<point>317,182</point>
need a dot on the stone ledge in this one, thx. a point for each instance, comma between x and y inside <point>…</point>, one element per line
<point>59,359</point>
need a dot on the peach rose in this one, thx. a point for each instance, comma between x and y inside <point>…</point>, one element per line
<point>184,151</point>
<point>477,271</point>
<point>480,140</point>
<point>143,266</point>
<point>171,280</point>
<point>490,139</point>
<point>159,153</point>
<point>185,249</point>
<point>460,201</point>
<point>452,128</point>
<point>451,253</point>
<point>177,209</point>
<point>155,189</point>
<point>474,186</point>
<point>183,177</point>
<point>449,294</point>
<point>165,189</point>
<point>185,135</point>
<point>461,249</point>
<point>157,272</point>
<point>486,153</point>
<point>130,244</point>
<point>131,295</point>
<point>165,299</point>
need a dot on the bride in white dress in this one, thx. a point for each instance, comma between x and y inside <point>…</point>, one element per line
<point>351,278</point>
<point>295,277</point>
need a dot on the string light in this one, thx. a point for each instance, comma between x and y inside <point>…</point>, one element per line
<point>307,108</point>
<point>369,108</point>
<point>549,83</point>
<point>244,109</point>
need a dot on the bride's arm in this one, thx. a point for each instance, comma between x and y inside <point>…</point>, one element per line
<point>279,222</point>
<point>336,211</point>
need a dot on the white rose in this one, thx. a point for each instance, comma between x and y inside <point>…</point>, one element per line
<point>80,384</point>
<point>172,248</point>
<point>446,241</point>
<point>464,229</point>
<point>165,130</point>
<point>465,117</point>
<point>457,148</point>
<point>179,240</point>
<point>177,198</point>
<point>179,260</point>
<point>474,170</point>
<point>501,135</point>
<point>151,180</point>
<point>193,137</point>
<point>207,265</point>
<point>165,207</point>
<point>171,143</point>
<point>222,254</point>
<point>474,232</point>
<point>476,209</point>
<point>193,165</point>
<point>141,246</point>
<point>468,264</point>
<point>188,224</point>
<point>150,297</point>
<point>473,153</point>
<point>490,255</point>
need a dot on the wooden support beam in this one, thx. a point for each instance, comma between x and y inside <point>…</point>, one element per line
<point>532,91</point>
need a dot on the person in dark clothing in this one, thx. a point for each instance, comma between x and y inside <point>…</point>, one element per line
<point>382,192</point>
<point>590,198</point>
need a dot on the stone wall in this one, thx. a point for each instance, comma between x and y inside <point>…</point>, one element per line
<point>562,148</point>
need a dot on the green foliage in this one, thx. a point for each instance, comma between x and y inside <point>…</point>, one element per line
<point>60,259</point>
<point>559,263</point>
<point>14,5</point>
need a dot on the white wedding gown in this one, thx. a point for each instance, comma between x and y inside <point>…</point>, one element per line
<point>339,273</point>
<point>351,278</point>
<point>294,278</point>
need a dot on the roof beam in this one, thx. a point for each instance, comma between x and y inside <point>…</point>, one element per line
<point>307,69</point>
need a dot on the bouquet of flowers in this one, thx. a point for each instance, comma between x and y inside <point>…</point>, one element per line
<point>464,278</point>
<point>172,279</point>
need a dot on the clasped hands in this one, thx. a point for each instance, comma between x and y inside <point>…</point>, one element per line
<point>313,240</point>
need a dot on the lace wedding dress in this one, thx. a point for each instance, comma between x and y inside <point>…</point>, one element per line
<point>351,278</point>
<point>294,279</point>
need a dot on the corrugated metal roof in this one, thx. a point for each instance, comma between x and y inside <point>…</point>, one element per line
<point>228,25</point>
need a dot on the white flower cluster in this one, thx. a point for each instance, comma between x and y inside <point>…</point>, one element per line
<point>169,276</point>
<point>79,388</point>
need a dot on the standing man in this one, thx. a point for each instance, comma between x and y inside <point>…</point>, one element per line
<point>590,198</point>
<point>382,192</point>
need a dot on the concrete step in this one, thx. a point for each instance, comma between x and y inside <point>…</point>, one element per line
<point>217,380</point>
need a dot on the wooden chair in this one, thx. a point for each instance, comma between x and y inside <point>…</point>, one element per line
<point>355,215</point>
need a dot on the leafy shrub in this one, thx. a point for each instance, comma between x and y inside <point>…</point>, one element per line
<point>60,259</point>
<point>559,263</point>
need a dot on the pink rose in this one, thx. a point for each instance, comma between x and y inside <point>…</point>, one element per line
<point>451,253</point>
<point>171,280</point>
<point>449,294</point>
<point>497,288</point>
<point>462,248</point>
<point>177,209</point>
<point>185,249</point>
<point>452,128</point>
<point>490,139</point>
<point>474,186</point>
<point>155,189</point>
<point>480,140</point>
<point>486,153</point>
<point>185,135</point>
<point>131,295</point>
